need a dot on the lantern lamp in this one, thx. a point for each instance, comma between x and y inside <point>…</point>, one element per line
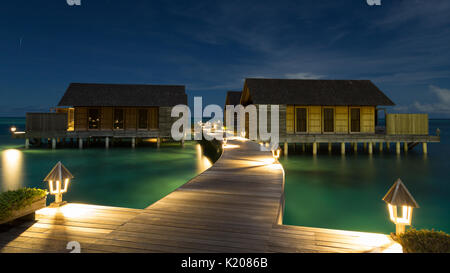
<point>399,198</point>
<point>58,181</point>
<point>13,129</point>
<point>276,154</point>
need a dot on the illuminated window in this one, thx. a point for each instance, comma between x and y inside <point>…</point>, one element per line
<point>94,118</point>
<point>71,119</point>
<point>118,119</point>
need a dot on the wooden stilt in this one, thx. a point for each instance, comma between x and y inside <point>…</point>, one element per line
<point>355,147</point>
<point>314,148</point>
<point>343,148</point>
<point>107,142</point>
<point>286,148</point>
<point>133,142</point>
<point>388,146</point>
<point>405,146</point>
<point>370,148</point>
<point>330,147</point>
<point>80,143</point>
<point>365,146</point>
<point>381,146</point>
<point>303,147</point>
<point>182,142</point>
<point>397,147</point>
<point>53,143</point>
<point>425,148</point>
<point>158,142</point>
<point>27,143</point>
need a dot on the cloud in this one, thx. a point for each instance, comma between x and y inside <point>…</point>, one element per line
<point>440,107</point>
<point>426,13</point>
<point>304,75</point>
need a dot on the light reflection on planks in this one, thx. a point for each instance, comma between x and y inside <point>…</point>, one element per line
<point>231,207</point>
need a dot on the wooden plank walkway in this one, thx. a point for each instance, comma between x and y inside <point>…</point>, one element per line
<point>235,206</point>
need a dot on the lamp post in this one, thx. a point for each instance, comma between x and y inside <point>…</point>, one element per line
<point>57,176</point>
<point>397,197</point>
<point>276,154</point>
<point>13,129</point>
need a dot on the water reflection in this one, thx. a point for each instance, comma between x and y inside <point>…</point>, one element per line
<point>203,163</point>
<point>12,161</point>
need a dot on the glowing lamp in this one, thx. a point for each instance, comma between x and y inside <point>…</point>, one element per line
<point>225,141</point>
<point>276,154</point>
<point>13,129</point>
<point>58,181</point>
<point>400,205</point>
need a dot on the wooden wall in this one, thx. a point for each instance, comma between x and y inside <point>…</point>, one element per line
<point>342,119</point>
<point>368,119</point>
<point>314,119</point>
<point>106,118</point>
<point>46,122</point>
<point>290,119</point>
<point>407,124</point>
<point>81,118</point>
<point>156,116</point>
<point>130,119</point>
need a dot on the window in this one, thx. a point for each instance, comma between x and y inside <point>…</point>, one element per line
<point>142,119</point>
<point>118,119</point>
<point>71,119</point>
<point>94,118</point>
<point>355,120</point>
<point>301,120</point>
<point>154,118</point>
<point>328,120</point>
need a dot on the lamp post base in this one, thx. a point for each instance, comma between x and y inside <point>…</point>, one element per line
<point>399,229</point>
<point>57,205</point>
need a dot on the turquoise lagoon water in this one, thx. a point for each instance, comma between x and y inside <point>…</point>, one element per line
<point>120,176</point>
<point>327,191</point>
<point>333,191</point>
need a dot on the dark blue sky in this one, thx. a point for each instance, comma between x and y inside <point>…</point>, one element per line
<point>211,46</point>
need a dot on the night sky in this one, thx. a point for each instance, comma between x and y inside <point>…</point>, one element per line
<point>211,46</point>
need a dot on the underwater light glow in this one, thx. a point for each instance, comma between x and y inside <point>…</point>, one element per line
<point>12,161</point>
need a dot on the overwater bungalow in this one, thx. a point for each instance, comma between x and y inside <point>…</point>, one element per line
<point>125,111</point>
<point>336,111</point>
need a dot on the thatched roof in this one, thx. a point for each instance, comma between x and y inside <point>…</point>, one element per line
<point>59,172</point>
<point>315,92</point>
<point>92,94</point>
<point>233,98</point>
<point>398,195</point>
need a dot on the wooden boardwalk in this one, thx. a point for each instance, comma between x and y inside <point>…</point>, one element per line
<point>235,206</point>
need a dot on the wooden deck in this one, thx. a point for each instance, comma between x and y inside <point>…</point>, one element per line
<point>235,206</point>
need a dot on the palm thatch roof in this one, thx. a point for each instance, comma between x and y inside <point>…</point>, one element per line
<point>138,95</point>
<point>398,195</point>
<point>233,98</point>
<point>59,172</point>
<point>314,92</point>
